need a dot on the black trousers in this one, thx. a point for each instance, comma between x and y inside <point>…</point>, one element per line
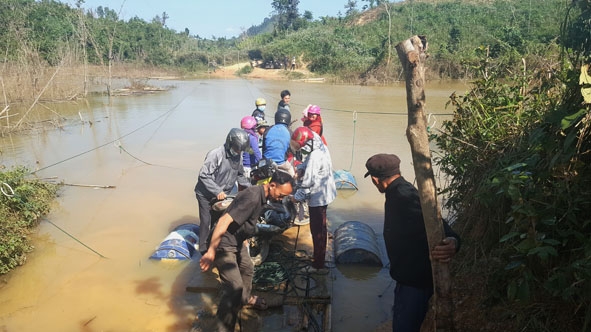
<point>236,272</point>
<point>207,219</point>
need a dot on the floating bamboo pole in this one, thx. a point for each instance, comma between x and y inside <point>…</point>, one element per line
<point>89,185</point>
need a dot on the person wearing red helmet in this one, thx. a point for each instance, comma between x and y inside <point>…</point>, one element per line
<point>251,156</point>
<point>313,120</point>
<point>316,186</point>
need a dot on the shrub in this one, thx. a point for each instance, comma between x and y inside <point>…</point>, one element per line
<point>245,70</point>
<point>22,203</point>
<point>518,156</point>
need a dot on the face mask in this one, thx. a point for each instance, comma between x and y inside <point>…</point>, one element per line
<point>261,108</point>
<point>306,149</point>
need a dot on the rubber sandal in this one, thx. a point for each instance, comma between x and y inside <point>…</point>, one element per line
<point>259,303</point>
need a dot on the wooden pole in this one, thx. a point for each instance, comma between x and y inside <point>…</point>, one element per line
<point>412,55</point>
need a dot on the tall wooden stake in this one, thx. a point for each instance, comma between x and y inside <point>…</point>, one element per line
<point>412,55</point>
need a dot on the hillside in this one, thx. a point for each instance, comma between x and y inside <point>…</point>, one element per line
<point>461,34</point>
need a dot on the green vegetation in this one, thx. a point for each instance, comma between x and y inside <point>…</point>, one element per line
<point>245,70</point>
<point>356,47</point>
<point>518,156</point>
<point>22,203</point>
<point>517,151</point>
<point>49,32</point>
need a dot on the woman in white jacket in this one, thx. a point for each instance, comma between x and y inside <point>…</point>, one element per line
<point>315,184</point>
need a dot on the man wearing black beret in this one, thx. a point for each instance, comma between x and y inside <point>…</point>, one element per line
<point>406,243</point>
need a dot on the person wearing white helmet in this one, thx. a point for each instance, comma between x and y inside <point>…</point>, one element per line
<point>259,111</point>
<point>221,170</point>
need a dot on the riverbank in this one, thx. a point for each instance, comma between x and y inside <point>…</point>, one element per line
<point>72,82</point>
<point>233,71</point>
<point>23,201</point>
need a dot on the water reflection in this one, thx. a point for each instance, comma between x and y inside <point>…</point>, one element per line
<point>150,148</point>
<point>358,272</point>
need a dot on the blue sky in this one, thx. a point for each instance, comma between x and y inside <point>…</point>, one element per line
<point>207,18</point>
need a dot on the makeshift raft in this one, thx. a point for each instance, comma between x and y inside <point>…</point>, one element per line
<point>181,243</point>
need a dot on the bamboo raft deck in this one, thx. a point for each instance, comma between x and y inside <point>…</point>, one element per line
<point>300,301</point>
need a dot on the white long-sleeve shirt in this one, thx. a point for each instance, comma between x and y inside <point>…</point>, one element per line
<point>317,185</point>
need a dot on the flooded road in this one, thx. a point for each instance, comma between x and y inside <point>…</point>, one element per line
<point>93,272</point>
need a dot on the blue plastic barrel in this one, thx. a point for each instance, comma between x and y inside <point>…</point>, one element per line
<point>356,243</point>
<point>181,243</point>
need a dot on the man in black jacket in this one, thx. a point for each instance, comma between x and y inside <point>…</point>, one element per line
<point>406,243</point>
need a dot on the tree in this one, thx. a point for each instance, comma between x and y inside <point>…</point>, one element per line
<point>13,26</point>
<point>308,15</point>
<point>287,12</point>
<point>83,37</point>
<point>51,25</point>
<point>455,37</point>
<point>389,31</point>
<point>165,17</point>
<point>372,3</point>
<point>412,54</point>
<point>351,7</point>
<point>106,13</point>
<point>575,31</point>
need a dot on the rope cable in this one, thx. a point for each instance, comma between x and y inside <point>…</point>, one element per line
<point>353,145</point>
<point>121,148</point>
<point>268,97</point>
<point>73,237</point>
<point>116,139</point>
<point>168,113</point>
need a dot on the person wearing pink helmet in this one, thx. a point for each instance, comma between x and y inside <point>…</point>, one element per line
<point>252,156</point>
<point>316,186</point>
<point>313,120</point>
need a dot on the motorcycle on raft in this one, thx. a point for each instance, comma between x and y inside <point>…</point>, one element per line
<point>275,218</point>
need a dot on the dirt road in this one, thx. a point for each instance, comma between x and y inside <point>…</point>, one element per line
<point>228,72</point>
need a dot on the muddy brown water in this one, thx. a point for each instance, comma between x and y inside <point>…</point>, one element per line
<point>150,149</point>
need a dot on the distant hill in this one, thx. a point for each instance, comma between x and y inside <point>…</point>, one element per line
<point>266,27</point>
